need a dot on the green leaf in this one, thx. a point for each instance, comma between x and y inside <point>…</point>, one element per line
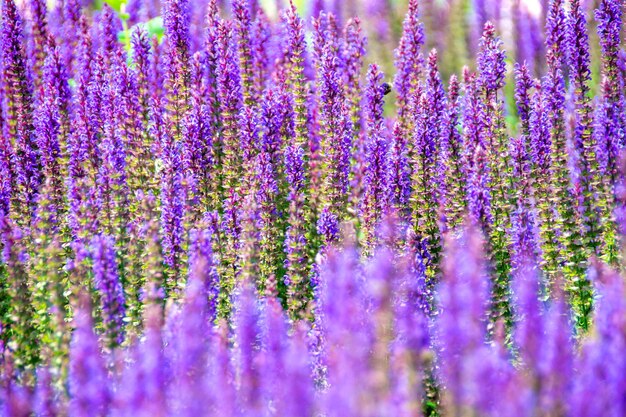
<point>155,27</point>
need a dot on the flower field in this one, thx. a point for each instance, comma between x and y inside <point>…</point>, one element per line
<point>244,208</point>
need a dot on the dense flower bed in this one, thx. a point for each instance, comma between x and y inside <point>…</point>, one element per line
<point>229,210</point>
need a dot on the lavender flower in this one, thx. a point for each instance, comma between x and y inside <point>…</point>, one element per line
<point>110,289</point>
<point>461,325</point>
<point>479,195</point>
<point>452,158</point>
<point>5,178</point>
<point>44,395</point>
<point>609,17</point>
<point>400,181</point>
<point>172,199</point>
<point>336,129</point>
<point>529,330</point>
<point>542,165</point>
<point>353,51</point>
<point>428,180</point>
<point>568,222</point>
<point>176,23</point>
<point>18,113</point>
<point>408,60</point>
<point>52,124</point>
<point>81,146</point>
<point>247,353</point>
<point>523,87</point>
<point>243,29</point>
<point>69,26</point>
<point>328,226</point>
<point>586,162</point>
<point>375,200</point>
<point>230,99</point>
<point>491,66</point>
<point>141,52</point>
<point>556,362</point>
<point>263,52</point>
<point>191,347</point>
<point>39,38</point>
<point>88,382</point>
<point>231,226</point>
<point>203,268</point>
<point>106,41</point>
<point>296,56</point>
<point>269,221</point>
<point>296,263</point>
<point>112,183</point>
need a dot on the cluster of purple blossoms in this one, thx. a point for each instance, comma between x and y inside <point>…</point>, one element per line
<point>228,209</point>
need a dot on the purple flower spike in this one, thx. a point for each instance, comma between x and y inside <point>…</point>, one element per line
<point>409,59</point>
<point>491,65</point>
<point>39,40</point>
<point>557,356</point>
<point>400,181</point>
<point>141,49</point>
<point>107,41</point>
<point>540,138</point>
<point>110,289</point>
<point>587,163</point>
<point>18,113</point>
<point>173,207</point>
<point>5,178</point>
<point>353,53</point>
<point>431,131</point>
<point>52,123</point>
<point>328,226</point>
<point>479,193</point>
<point>243,30</point>
<point>529,329</point>
<point>72,15</point>
<point>88,381</point>
<point>190,342</point>
<point>296,55</point>
<point>461,323</point>
<point>376,198</point>
<point>203,268</point>
<point>453,160</point>
<point>523,86</point>
<point>336,128</point>
<point>412,334</point>
<point>230,101</point>
<point>44,398</point>
<point>609,17</point>
<point>247,351</point>
<point>297,262</point>
<point>176,20</point>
